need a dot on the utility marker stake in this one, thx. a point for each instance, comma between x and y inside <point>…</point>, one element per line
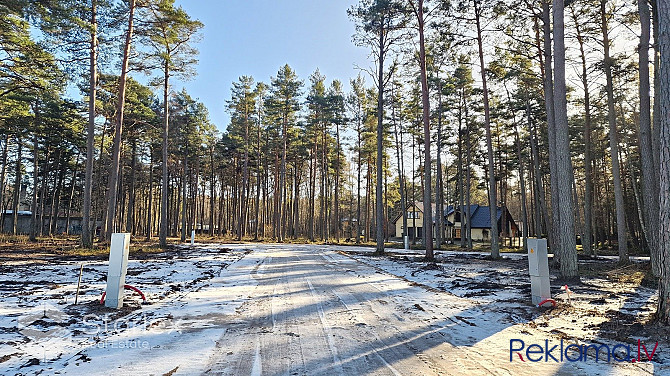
<point>116,275</point>
<point>538,268</point>
<point>81,270</point>
<point>567,291</point>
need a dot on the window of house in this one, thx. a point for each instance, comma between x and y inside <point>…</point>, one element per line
<point>413,214</point>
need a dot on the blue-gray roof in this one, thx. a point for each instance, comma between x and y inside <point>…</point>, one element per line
<point>481,216</point>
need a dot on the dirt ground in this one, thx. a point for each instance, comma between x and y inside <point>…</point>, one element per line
<point>319,309</point>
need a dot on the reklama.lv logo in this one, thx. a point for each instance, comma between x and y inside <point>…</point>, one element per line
<point>578,353</point>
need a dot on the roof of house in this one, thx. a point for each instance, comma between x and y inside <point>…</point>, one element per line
<point>480,215</point>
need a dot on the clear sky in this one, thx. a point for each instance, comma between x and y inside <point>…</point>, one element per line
<point>256,37</point>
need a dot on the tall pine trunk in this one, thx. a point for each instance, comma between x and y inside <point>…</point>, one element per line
<point>17,186</point>
<point>379,199</point>
<point>130,209</point>
<point>112,188</point>
<point>439,199</point>
<point>245,178</point>
<point>73,184</point>
<point>163,230</point>
<point>614,141</point>
<point>33,206</point>
<point>184,197</point>
<point>282,183</point>
<point>663,99</point>
<point>468,175</point>
<point>461,168</point>
<point>336,201</point>
<point>493,202</point>
<point>401,174</point>
<point>358,191</point>
<point>5,152</point>
<point>548,80</point>
<point>649,169</point>
<point>427,207</point>
<point>522,184</point>
<point>150,201</point>
<point>86,236</point>
<point>567,241</point>
<point>588,175</point>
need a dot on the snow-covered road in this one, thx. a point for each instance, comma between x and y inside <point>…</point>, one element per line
<point>317,311</point>
<point>274,309</point>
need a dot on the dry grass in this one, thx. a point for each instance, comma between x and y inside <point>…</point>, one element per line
<point>635,274</point>
<point>19,247</point>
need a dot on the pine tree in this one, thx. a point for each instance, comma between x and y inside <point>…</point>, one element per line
<point>170,31</point>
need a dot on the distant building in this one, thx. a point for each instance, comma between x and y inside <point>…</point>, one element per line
<point>62,223</point>
<point>414,221</point>
<point>480,222</point>
<point>454,225</point>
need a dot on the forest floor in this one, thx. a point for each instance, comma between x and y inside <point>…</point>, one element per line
<point>273,309</point>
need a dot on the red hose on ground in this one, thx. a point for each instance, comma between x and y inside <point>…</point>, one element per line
<point>552,301</point>
<point>127,287</point>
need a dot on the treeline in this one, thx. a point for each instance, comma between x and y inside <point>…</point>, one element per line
<point>552,110</point>
<point>556,96</point>
<point>89,159</point>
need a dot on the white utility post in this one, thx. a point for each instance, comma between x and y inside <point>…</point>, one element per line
<point>406,238</point>
<point>116,275</point>
<point>192,237</point>
<point>538,268</point>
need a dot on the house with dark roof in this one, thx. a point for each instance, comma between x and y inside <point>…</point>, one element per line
<point>454,223</point>
<point>480,222</point>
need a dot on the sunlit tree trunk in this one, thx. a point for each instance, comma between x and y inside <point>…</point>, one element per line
<point>493,202</point>
<point>17,186</point>
<point>5,152</point>
<point>130,220</point>
<point>112,188</point>
<point>86,236</point>
<point>567,241</point>
<point>461,185</point>
<point>379,199</point>
<point>162,235</point>
<point>614,141</point>
<point>522,184</point>
<point>401,169</point>
<point>468,176</point>
<point>150,201</point>
<point>649,169</point>
<point>588,175</point>
<point>184,197</point>
<point>33,206</point>
<point>663,99</point>
<point>358,189</point>
<point>548,80</point>
<point>439,199</point>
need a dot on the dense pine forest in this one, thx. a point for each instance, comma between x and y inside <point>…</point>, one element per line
<point>558,112</point>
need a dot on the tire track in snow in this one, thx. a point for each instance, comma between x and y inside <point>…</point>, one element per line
<point>326,328</point>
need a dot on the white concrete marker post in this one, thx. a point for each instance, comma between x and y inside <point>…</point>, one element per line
<point>538,268</point>
<point>406,242</point>
<point>116,275</point>
<point>192,237</point>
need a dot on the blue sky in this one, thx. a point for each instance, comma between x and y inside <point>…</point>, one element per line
<point>256,37</point>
